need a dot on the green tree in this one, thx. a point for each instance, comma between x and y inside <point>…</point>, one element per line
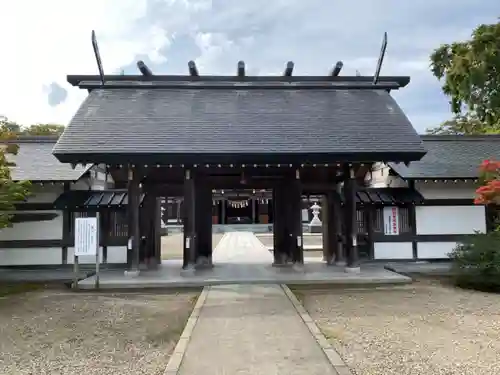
<point>10,191</point>
<point>462,125</point>
<point>470,72</point>
<point>44,129</point>
<point>10,125</point>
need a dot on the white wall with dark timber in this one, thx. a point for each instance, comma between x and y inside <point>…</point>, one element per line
<point>35,230</point>
<point>380,177</point>
<point>51,229</point>
<point>450,219</point>
<point>116,255</point>
<point>392,250</point>
<point>435,250</point>
<point>446,220</point>
<point>39,256</point>
<point>451,189</point>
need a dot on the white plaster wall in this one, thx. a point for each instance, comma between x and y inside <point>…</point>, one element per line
<point>446,190</point>
<point>53,256</point>
<point>450,219</point>
<point>45,193</point>
<point>31,256</point>
<point>380,177</point>
<point>116,255</point>
<point>392,250</point>
<point>34,230</point>
<point>434,250</point>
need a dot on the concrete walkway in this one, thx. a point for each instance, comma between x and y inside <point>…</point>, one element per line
<point>241,248</point>
<point>252,329</point>
<point>247,329</point>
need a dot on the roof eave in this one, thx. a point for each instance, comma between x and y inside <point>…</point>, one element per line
<point>75,80</point>
<point>235,158</point>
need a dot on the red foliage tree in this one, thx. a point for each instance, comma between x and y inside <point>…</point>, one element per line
<point>489,192</point>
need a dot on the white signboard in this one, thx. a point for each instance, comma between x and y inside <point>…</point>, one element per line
<point>391,221</point>
<point>86,236</point>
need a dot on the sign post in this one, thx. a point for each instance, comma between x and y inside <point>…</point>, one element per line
<point>86,243</point>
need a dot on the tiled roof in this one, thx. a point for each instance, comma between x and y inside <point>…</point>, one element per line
<point>93,199</point>
<point>35,161</point>
<point>451,157</point>
<point>140,122</point>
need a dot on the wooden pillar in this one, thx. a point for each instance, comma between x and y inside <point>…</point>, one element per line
<point>144,225</point>
<point>178,211</point>
<point>351,239</point>
<point>295,240</point>
<point>148,229</point>
<point>189,254</point>
<point>66,229</point>
<point>412,221</point>
<point>325,230</point>
<point>203,223</point>
<point>133,219</point>
<point>252,200</point>
<point>279,226</point>
<point>104,223</point>
<point>157,230</point>
<point>369,219</point>
<point>223,211</point>
<point>331,220</point>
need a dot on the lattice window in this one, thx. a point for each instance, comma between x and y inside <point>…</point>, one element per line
<point>404,220</point>
<point>360,220</point>
<point>118,224</point>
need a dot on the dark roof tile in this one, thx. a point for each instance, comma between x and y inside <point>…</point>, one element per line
<point>451,157</point>
<point>226,121</point>
<point>35,162</point>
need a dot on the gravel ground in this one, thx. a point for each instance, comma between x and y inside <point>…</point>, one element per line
<point>59,332</point>
<point>423,328</point>
<point>171,245</point>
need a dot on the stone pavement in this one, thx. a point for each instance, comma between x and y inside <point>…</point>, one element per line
<point>241,248</point>
<point>240,258</point>
<point>247,329</point>
<point>252,329</point>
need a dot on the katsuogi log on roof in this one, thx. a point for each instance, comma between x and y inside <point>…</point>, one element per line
<point>208,119</point>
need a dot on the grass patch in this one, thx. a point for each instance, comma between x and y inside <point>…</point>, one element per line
<point>16,288</point>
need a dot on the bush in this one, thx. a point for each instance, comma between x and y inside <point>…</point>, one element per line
<point>476,262</point>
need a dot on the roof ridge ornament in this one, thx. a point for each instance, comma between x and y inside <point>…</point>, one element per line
<point>144,69</point>
<point>380,59</point>
<point>97,57</point>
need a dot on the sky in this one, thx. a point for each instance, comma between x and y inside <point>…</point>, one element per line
<point>43,41</point>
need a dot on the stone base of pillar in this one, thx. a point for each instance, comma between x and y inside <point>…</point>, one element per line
<point>188,270</point>
<point>204,263</point>
<point>352,269</point>
<point>299,267</point>
<point>132,273</point>
<point>282,260</point>
<point>340,263</point>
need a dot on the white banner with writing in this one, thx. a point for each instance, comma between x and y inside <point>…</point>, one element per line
<point>391,221</point>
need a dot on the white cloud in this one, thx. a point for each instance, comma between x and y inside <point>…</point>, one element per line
<point>52,40</point>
